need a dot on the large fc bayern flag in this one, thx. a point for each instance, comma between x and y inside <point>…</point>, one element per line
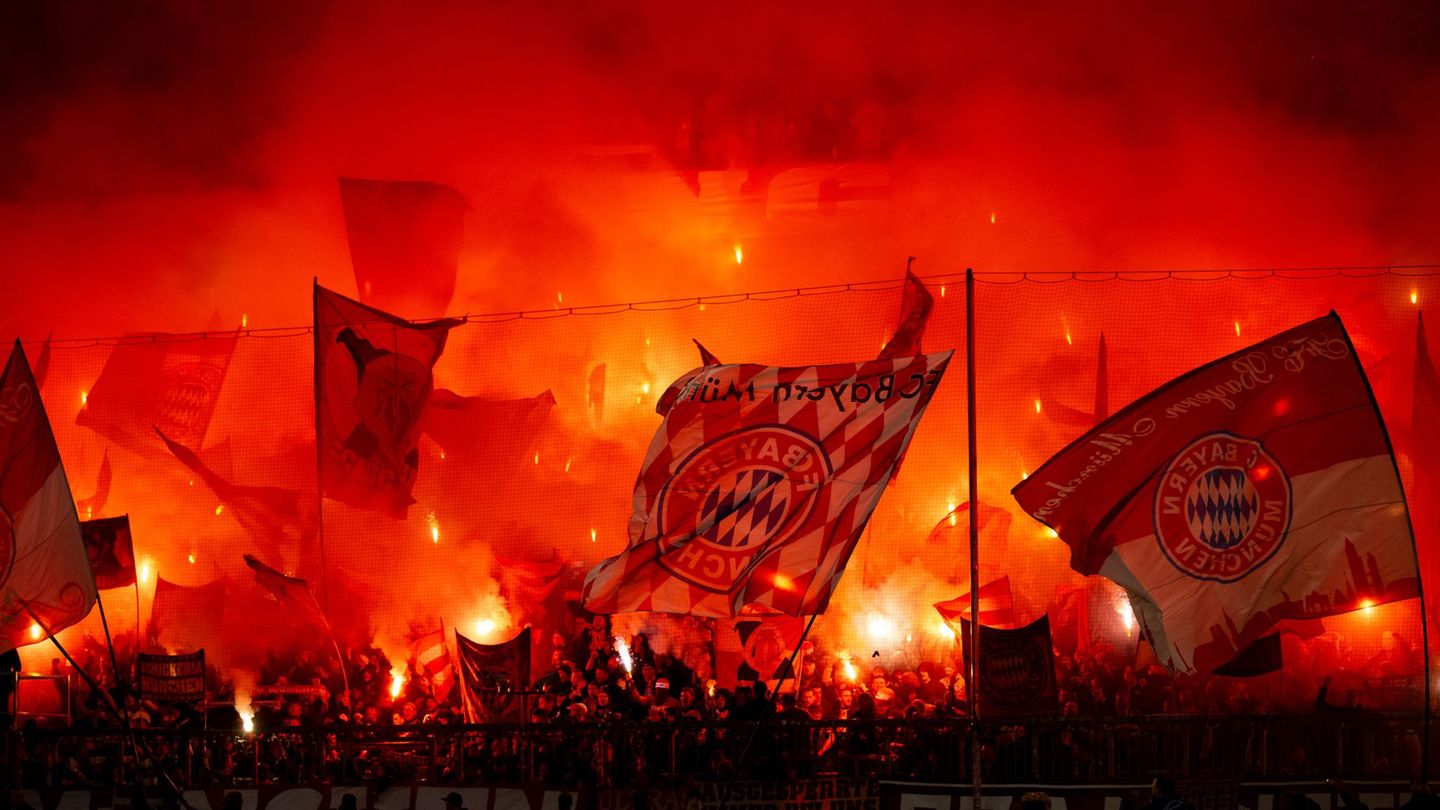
<point>759,482</point>
<point>1256,489</point>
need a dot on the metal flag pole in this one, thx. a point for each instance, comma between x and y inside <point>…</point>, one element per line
<point>973,642</point>
<point>319,455</point>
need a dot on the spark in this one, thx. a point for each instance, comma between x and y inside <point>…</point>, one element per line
<point>567,464</point>
<point>219,507</point>
<point>442,455</point>
<point>434,528</point>
<point>1068,341</point>
<point>1037,406</point>
<point>950,510</point>
<point>397,683</point>
<point>592,535</point>
<point>84,398</point>
<point>622,650</point>
<point>1414,296</point>
<point>992,217</point>
<point>144,571</point>
<point>559,297</point>
<point>645,387</point>
<point>35,631</point>
<point>537,456</point>
<point>739,254</point>
<point>1127,615</point>
<point>191,558</point>
<point>942,290</point>
<point>849,667</point>
<point>192,482</point>
<point>244,320</point>
<point>1237,329</point>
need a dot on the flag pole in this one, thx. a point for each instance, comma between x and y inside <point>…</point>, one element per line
<point>319,456</point>
<point>973,642</point>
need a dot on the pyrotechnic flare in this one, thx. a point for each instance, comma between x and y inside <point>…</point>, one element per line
<point>623,651</point>
<point>397,683</point>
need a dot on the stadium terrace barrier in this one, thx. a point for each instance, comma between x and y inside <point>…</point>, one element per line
<point>627,755</point>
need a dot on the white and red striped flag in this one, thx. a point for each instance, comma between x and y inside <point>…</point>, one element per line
<point>759,482</point>
<point>45,576</point>
<point>431,655</point>
<point>997,606</point>
<point>1253,490</point>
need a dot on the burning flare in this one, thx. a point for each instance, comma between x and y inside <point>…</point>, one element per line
<point>397,683</point>
<point>434,528</point>
<point>623,651</point>
<point>739,254</point>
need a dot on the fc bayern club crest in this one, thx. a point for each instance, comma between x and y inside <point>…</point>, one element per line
<point>1223,508</point>
<point>735,496</point>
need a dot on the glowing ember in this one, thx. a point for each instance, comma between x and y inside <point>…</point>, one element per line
<point>1024,474</point>
<point>537,456</point>
<point>784,583</point>
<point>244,320</point>
<point>1068,341</point>
<point>191,558</point>
<point>84,396</point>
<point>849,667</point>
<point>1367,606</point>
<point>1237,329</point>
<point>739,254</point>
<point>219,507</point>
<point>146,566</point>
<point>645,387</point>
<point>35,631</point>
<point>434,528</point>
<point>397,683</point>
<point>567,464</point>
<point>1037,406</point>
<point>622,650</point>
<point>1414,296</point>
<point>484,627</point>
<point>592,535</point>
<point>950,510</point>
<point>992,217</point>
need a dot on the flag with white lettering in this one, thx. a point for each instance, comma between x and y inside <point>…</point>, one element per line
<point>1256,489</point>
<point>758,483</point>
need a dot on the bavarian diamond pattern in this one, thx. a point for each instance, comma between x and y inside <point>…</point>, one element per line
<point>1222,507</point>
<point>749,504</point>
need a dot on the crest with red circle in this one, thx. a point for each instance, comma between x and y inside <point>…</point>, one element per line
<point>1222,508</point>
<point>734,497</point>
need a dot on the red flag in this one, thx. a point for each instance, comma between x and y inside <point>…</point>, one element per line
<point>431,655</point>
<point>915,304</point>
<point>405,240</point>
<point>528,581</point>
<point>959,519</point>
<point>1016,671</point>
<point>756,648</point>
<point>997,606</point>
<point>1257,488</point>
<point>706,358</point>
<point>373,380</point>
<point>292,593</point>
<point>95,504</point>
<point>490,675</point>
<point>163,381</point>
<point>498,431</point>
<point>758,484</point>
<point>269,514</point>
<point>185,618</point>
<point>111,551</point>
<point>1066,415</point>
<point>44,572</point>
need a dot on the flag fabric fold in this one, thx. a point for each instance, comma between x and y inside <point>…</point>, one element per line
<point>187,618</point>
<point>292,593</point>
<point>405,239</point>
<point>373,381</point>
<point>758,484</point>
<point>915,305</point>
<point>430,656</point>
<point>1258,488</point>
<point>95,504</point>
<point>706,358</point>
<point>270,514</point>
<point>169,382</point>
<point>498,431</point>
<point>111,551</point>
<point>491,675</point>
<point>997,606</point>
<point>45,573</point>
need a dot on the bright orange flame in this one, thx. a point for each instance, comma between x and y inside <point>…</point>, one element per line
<point>784,583</point>
<point>35,631</point>
<point>879,626</point>
<point>1024,474</point>
<point>144,571</point>
<point>592,535</point>
<point>244,320</point>
<point>950,510</point>
<point>1127,615</point>
<point>84,397</point>
<point>191,558</point>
<point>1237,329</point>
<point>645,387</point>
<point>739,254</point>
<point>943,629</point>
<point>537,456</point>
<point>992,217</point>
<point>567,464</point>
<point>1037,406</point>
<point>484,627</point>
<point>397,683</point>
<point>1414,296</point>
<point>219,507</point>
<point>942,290</point>
<point>849,667</point>
<point>1068,341</point>
<point>434,528</point>
<point>1051,533</point>
<point>1367,606</point>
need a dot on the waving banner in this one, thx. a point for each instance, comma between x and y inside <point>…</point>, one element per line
<point>759,482</point>
<point>1256,489</point>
